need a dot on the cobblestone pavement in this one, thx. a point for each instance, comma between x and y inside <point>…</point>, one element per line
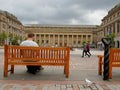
<point>56,85</point>
<point>52,78</point>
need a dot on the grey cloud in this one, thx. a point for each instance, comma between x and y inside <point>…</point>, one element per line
<point>56,11</point>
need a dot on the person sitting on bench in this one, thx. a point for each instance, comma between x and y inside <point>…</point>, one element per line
<point>30,42</point>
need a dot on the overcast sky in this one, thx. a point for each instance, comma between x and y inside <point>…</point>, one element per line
<point>63,12</point>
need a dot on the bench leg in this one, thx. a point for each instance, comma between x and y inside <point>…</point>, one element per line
<point>99,65</point>
<point>5,70</point>
<point>110,72</point>
<point>12,69</point>
<point>67,71</point>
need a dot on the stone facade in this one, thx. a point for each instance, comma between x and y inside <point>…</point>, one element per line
<point>110,24</point>
<point>62,35</point>
<point>9,24</point>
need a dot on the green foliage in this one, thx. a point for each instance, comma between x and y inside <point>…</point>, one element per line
<point>37,42</point>
<point>10,36</point>
<point>15,40</point>
<point>83,42</point>
<point>112,36</point>
<point>3,36</point>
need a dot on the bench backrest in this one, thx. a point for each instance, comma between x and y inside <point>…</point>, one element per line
<point>114,56</point>
<point>47,55</point>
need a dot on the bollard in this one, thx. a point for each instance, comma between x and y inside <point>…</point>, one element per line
<point>107,43</point>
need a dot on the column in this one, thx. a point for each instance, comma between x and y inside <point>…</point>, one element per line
<point>72,40</point>
<point>40,39</point>
<point>58,40</point>
<point>91,38</point>
<point>67,40</point>
<point>81,39</point>
<point>63,40</point>
<point>53,39</point>
<point>87,38</point>
<point>44,39</point>
<point>77,40</point>
<point>35,36</point>
<point>116,29</point>
<point>49,40</point>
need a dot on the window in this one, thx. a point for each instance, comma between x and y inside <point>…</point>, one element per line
<point>4,26</point>
<point>118,14</point>
<point>118,26</point>
<point>78,42</point>
<point>3,18</point>
<point>74,42</point>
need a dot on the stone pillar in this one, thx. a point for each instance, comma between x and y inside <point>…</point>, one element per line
<point>77,40</point>
<point>49,39</point>
<point>35,36</point>
<point>58,40</point>
<point>63,40</point>
<point>44,39</point>
<point>91,38</point>
<point>72,40</point>
<point>40,39</point>
<point>67,40</point>
<point>113,31</point>
<point>53,39</point>
<point>81,39</point>
<point>86,38</point>
<point>116,27</point>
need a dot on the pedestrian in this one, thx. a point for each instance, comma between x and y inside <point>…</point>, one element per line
<point>88,49</point>
<point>30,42</point>
<point>84,50</point>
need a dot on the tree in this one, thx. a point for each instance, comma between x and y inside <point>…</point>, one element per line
<point>15,40</point>
<point>10,36</point>
<point>112,36</point>
<point>3,37</point>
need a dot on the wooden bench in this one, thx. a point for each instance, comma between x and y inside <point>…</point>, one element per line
<point>35,56</point>
<point>114,61</point>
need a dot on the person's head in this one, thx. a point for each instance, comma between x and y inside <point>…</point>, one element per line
<point>31,36</point>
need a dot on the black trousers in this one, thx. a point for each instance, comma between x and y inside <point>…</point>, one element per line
<point>33,68</point>
<point>84,53</point>
<point>88,51</point>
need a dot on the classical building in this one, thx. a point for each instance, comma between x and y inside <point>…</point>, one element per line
<point>63,35</point>
<point>110,25</point>
<point>10,26</point>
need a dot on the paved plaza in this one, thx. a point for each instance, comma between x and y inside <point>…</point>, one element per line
<point>52,78</point>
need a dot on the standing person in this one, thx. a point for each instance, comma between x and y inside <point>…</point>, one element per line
<point>88,49</point>
<point>84,50</point>
<point>30,42</point>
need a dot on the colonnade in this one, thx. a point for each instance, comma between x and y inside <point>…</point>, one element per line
<point>62,39</point>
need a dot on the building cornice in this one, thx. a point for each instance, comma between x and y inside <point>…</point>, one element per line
<point>112,11</point>
<point>55,26</point>
<point>9,15</point>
